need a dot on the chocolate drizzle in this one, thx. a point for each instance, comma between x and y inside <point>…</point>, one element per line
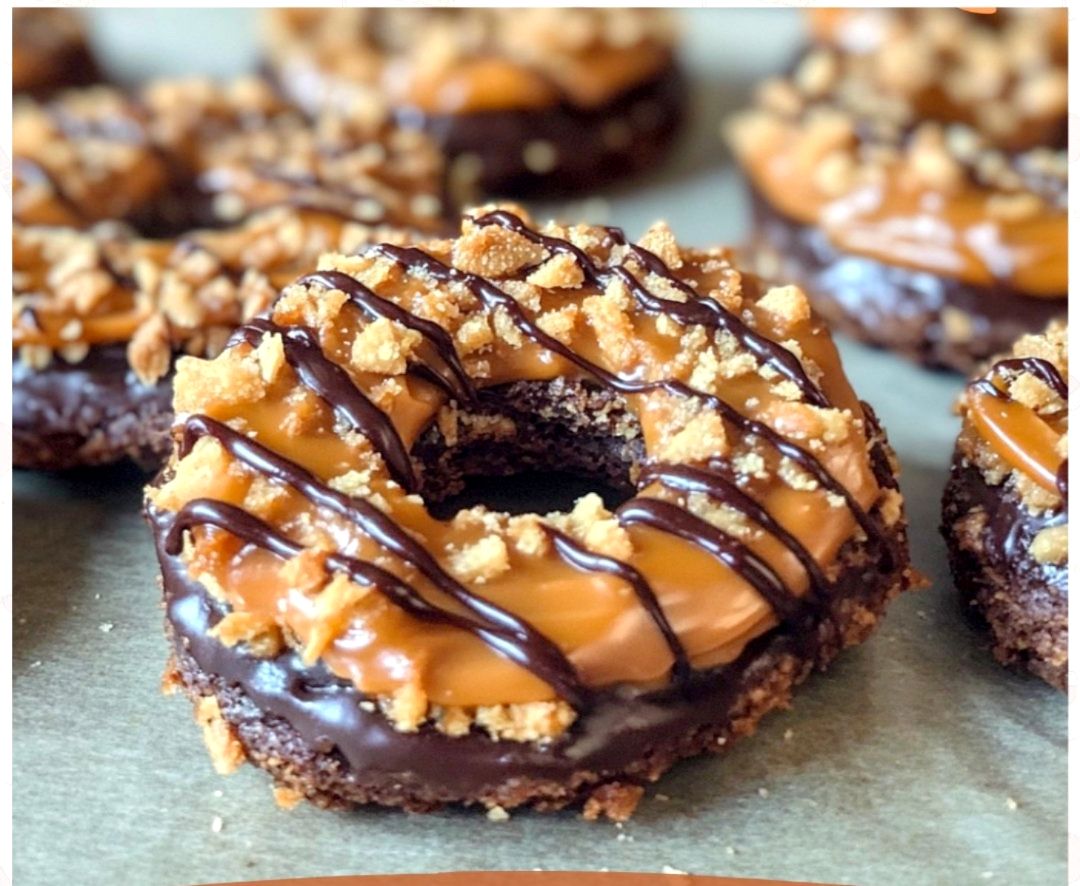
<point>677,521</point>
<point>1043,370</point>
<point>582,558</point>
<point>412,258</point>
<point>694,311</point>
<point>498,629</point>
<point>323,376</point>
<point>450,376</point>
<point>723,490</point>
<point>251,529</point>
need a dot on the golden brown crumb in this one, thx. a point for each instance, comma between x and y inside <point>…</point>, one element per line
<point>788,304</point>
<point>150,350</point>
<point>226,751</point>
<point>1051,545</point>
<point>260,634</point>
<point>287,798</point>
<point>481,561</point>
<point>615,801</point>
<point>384,347</point>
<point>702,438</point>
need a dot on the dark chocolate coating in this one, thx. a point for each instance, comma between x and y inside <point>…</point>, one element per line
<point>585,160</point>
<point>316,722</point>
<point>1024,602</point>
<point>891,306</point>
<point>92,412</point>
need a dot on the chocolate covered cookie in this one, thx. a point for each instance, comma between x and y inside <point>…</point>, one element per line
<point>115,273</point>
<point>910,173</point>
<point>1005,511</point>
<point>522,100</point>
<point>333,629</point>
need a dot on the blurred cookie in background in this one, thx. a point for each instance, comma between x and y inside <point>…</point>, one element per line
<point>910,173</point>
<point>522,100</point>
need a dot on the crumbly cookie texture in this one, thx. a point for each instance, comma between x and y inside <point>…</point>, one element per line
<point>1030,391</point>
<point>255,383</point>
<point>73,290</point>
<point>941,102</point>
<point>282,190</point>
<point>535,54</point>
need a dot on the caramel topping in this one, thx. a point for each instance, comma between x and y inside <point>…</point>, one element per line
<point>883,143</point>
<point>1016,419</point>
<point>295,501</point>
<point>285,189</point>
<point>1019,436</point>
<point>473,60</point>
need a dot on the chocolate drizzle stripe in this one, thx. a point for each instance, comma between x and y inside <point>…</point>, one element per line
<point>589,561</point>
<point>451,376</point>
<point>694,311</point>
<point>679,522</point>
<point>249,528</point>
<point>723,490</point>
<point>493,297</point>
<point>323,376</point>
<point>1046,372</point>
<point>516,640</point>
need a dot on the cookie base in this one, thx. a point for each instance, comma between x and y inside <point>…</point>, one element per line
<point>322,740</point>
<point>1024,603</point>
<point>94,412</point>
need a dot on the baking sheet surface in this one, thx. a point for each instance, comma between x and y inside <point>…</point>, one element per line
<point>915,760</point>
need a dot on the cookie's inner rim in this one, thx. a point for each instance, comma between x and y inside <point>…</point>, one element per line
<point>528,491</point>
<point>531,447</point>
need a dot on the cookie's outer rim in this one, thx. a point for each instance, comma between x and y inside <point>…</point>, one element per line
<point>1023,603</point>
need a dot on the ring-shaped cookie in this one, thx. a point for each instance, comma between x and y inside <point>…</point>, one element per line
<point>335,632</point>
<point>520,100</point>
<point>910,174</point>
<point>114,273</point>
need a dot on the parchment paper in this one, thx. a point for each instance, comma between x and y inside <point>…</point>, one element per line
<point>915,760</point>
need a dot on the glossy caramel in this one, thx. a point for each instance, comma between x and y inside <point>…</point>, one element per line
<point>437,62</point>
<point>834,145</point>
<point>595,619</point>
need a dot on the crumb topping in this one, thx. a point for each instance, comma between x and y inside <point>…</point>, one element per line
<point>284,190</point>
<point>932,111</point>
<point>565,575</point>
<point>1015,428</point>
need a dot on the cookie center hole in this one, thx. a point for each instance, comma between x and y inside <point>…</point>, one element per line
<point>531,447</point>
<point>528,492</point>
